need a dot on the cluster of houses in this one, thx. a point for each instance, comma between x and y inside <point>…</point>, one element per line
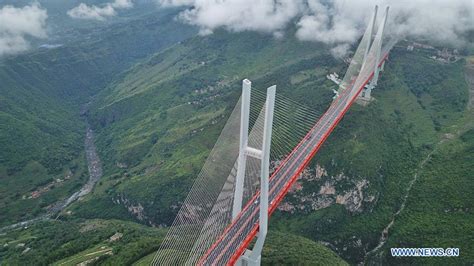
<point>444,55</point>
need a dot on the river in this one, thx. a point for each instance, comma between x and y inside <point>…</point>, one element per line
<point>94,166</point>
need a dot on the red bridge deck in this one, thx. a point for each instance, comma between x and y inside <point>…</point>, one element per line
<point>237,236</point>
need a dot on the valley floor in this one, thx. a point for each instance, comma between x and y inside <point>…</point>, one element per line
<point>95,173</point>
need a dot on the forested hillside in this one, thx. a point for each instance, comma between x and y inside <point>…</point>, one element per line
<point>157,123</point>
<point>394,173</point>
<point>42,95</point>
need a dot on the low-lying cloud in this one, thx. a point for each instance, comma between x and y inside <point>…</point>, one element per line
<point>335,22</point>
<point>19,24</point>
<point>93,12</point>
<point>239,15</point>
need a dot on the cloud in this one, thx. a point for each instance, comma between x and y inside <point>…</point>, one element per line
<point>331,22</point>
<point>341,21</point>
<point>440,20</point>
<point>237,15</point>
<point>340,50</point>
<point>93,12</point>
<point>84,11</point>
<point>335,22</point>
<point>19,24</point>
<point>122,4</point>
<point>167,3</point>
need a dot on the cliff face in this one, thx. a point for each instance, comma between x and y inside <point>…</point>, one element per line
<point>136,209</point>
<point>315,190</point>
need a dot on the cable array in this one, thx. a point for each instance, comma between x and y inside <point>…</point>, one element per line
<point>207,210</point>
<point>237,236</point>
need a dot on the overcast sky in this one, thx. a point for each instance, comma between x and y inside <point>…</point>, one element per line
<point>330,21</point>
<point>335,22</point>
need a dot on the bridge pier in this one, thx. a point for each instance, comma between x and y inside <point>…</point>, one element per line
<point>247,260</point>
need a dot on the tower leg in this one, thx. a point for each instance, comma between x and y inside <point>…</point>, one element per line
<point>264,176</point>
<point>365,96</point>
<point>254,257</point>
<point>244,131</point>
<point>371,31</point>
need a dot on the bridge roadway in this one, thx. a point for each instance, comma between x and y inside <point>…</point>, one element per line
<point>233,242</point>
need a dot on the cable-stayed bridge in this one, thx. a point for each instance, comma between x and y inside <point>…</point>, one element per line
<point>262,150</point>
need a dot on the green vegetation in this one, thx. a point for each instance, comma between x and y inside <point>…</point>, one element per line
<point>41,140</point>
<point>86,256</point>
<point>439,210</point>
<point>41,97</point>
<point>156,126</point>
<point>287,249</point>
<point>385,144</point>
<point>145,261</point>
<point>157,121</point>
<point>66,243</point>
